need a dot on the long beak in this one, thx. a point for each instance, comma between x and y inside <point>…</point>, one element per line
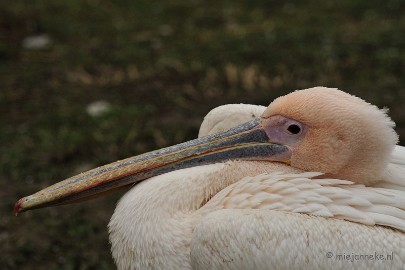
<point>245,142</point>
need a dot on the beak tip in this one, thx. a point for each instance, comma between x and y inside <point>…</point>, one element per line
<point>17,207</point>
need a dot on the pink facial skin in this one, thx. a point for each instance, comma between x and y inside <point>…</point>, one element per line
<point>283,130</point>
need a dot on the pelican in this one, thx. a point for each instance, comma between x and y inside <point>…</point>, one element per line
<point>315,180</point>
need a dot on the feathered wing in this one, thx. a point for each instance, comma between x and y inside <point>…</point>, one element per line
<point>304,193</point>
<point>251,239</point>
<point>304,225</point>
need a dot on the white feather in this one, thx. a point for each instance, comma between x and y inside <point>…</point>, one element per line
<point>301,193</point>
<point>393,177</point>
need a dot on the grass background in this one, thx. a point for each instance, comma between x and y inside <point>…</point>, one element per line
<point>162,65</point>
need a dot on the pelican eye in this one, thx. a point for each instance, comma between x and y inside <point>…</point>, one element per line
<point>294,129</point>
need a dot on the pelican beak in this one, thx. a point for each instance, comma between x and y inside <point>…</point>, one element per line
<point>245,142</point>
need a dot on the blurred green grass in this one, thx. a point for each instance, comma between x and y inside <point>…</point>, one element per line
<point>162,66</point>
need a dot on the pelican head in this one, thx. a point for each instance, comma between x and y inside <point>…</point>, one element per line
<point>317,129</point>
<point>332,132</point>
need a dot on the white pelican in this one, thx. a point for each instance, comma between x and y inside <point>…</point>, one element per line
<point>263,195</point>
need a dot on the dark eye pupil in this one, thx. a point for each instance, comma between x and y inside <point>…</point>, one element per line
<point>294,129</point>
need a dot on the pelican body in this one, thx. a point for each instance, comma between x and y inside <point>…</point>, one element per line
<point>313,177</point>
